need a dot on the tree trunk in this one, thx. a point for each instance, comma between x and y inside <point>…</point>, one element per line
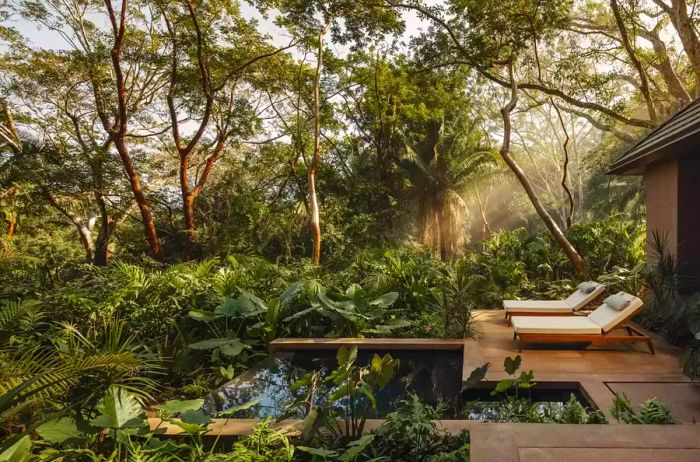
<point>315,220</point>
<point>118,130</point>
<point>80,225</point>
<point>574,257</point>
<point>568,215</point>
<point>485,226</point>
<point>85,237</point>
<point>10,228</point>
<point>104,233</point>
<point>187,206</point>
<point>149,225</point>
<point>643,81</point>
<point>444,245</point>
<point>678,13</point>
<point>188,215</point>
<point>665,67</point>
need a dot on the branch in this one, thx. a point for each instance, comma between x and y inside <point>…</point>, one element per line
<point>644,84</point>
<point>525,86</point>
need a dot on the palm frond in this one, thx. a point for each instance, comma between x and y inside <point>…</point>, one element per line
<point>12,311</point>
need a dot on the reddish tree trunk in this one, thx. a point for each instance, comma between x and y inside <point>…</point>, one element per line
<point>118,132</point>
<point>10,228</point>
<point>146,216</point>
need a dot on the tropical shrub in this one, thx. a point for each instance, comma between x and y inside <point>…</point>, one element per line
<point>350,390</point>
<point>411,434</point>
<point>668,312</point>
<point>650,412</point>
<point>453,303</point>
<point>514,407</point>
<point>608,243</point>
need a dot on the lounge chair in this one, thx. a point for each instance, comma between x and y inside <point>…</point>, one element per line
<point>585,293</point>
<point>599,326</point>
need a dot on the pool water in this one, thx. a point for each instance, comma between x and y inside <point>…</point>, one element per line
<point>432,375</point>
<point>477,404</point>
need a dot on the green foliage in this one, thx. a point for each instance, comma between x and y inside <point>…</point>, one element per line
<point>609,243</point>
<point>263,444</point>
<point>524,410</point>
<point>515,408</point>
<point>454,305</point>
<point>650,412</point>
<point>516,382</point>
<point>18,451</point>
<point>573,412</point>
<point>515,264</point>
<point>356,313</point>
<point>411,434</point>
<point>351,395</point>
<point>675,316</point>
<point>62,368</point>
<point>127,437</point>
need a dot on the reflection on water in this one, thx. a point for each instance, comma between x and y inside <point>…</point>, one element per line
<point>432,375</point>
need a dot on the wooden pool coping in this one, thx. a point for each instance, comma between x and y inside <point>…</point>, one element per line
<point>470,348</point>
<point>232,427</point>
<point>380,343</point>
<point>238,427</point>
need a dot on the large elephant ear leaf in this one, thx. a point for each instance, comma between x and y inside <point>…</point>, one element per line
<point>291,291</point>
<point>228,346</point>
<point>174,406</point>
<point>346,355</point>
<point>476,376</point>
<point>325,454</point>
<point>512,364</point>
<point>198,315</point>
<point>327,303</point>
<point>382,370</point>
<point>228,308</point>
<point>241,407</point>
<point>19,451</point>
<point>58,430</point>
<point>250,305</point>
<point>118,409</point>
<point>196,417</point>
<point>356,448</point>
<point>385,300</point>
<point>232,349</point>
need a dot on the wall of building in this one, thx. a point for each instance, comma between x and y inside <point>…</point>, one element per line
<point>688,239</point>
<point>661,182</point>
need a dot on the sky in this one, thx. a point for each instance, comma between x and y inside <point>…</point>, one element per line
<point>41,37</point>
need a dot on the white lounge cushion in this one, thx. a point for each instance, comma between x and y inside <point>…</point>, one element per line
<point>537,305</point>
<point>555,325</point>
<point>587,286</point>
<point>579,299</point>
<point>607,317</point>
<point>573,302</point>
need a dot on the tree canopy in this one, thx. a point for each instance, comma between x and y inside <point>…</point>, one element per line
<point>377,119</point>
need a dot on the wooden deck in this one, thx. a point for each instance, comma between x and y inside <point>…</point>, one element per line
<point>600,371</point>
<point>491,442</point>
<point>622,362</point>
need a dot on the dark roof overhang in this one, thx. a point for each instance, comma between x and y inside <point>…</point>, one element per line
<point>679,135</point>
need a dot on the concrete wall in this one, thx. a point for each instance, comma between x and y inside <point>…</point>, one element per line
<point>673,211</point>
<point>661,182</point>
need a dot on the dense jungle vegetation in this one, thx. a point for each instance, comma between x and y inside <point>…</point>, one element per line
<point>182,182</point>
